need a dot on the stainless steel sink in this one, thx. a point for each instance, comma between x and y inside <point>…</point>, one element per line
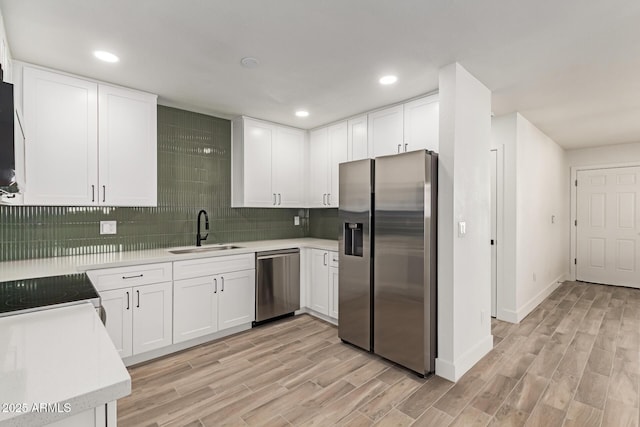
<point>204,249</point>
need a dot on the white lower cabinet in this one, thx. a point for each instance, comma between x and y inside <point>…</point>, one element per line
<point>323,284</point>
<point>319,289</point>
<point>138,303</point>
<point>333,292</point>
<point>139,318</point>
<point>152,317</point>
<point>212,303</point>
<point>195,308</point>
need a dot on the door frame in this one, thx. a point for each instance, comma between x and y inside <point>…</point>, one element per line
<point>573,217</point>
<point>500,305</point>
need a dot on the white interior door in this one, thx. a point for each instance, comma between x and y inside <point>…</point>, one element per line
<point>608,229</point>
<point>494,232</point>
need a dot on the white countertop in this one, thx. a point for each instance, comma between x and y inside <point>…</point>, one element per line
<point>61,355</point>
<point>43,267</point>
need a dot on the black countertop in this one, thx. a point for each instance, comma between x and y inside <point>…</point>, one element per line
<point>33,294</point>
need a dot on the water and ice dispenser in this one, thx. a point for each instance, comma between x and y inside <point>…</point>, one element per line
<point>353,238</point>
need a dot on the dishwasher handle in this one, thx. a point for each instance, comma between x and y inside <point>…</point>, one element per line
<point>277,254</point>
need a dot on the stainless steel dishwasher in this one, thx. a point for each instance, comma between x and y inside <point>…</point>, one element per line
<point>277,283</point>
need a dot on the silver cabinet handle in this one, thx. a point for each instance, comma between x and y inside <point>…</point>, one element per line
<point>132,277</point>
<point>104,193</point>
<point>274,199</point>
<point>215,286</point>
<point>328,199</point>
<point>93,193</point>
<point>325,258</point>
<point>127,300</point>
<point>405,147</point>
<point>222,286</point>
<point>138,292</point>
<point>399,145</point>
<point>279,199</point>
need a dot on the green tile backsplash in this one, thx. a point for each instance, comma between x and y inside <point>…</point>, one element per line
<point>324,223</point>
<point>194,172</point>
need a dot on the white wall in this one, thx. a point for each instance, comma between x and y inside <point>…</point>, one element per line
<point>606,155</point>
<point>464,270</point>
<point>542,216</point>
<point>535,217</point>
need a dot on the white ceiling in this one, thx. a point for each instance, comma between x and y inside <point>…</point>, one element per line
<point>572,67</point>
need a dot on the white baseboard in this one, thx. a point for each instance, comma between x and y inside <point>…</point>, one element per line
<point>454,371</point>
<point>536,300</point>
<point>318,315</point>
<point>173,348</point>
<point>510,316</point>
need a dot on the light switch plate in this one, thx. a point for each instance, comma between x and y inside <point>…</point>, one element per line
<point>108,227</point>
<point>296,220</point>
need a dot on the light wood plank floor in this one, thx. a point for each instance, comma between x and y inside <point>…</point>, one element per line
<point>574,361</point>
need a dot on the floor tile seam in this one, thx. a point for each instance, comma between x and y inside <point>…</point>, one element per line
<point>609,385</point>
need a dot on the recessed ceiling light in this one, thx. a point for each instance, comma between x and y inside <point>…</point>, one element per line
<point>302,113</point>
<point>388,80</point>
<point>249,62</point>
<point>105,56</point>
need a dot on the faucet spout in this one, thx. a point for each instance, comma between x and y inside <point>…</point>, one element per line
<point>199,236</point>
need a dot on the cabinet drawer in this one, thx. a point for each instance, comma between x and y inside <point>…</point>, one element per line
<point>333,259</point>
<point>209,266</point>
<point>123,277</point>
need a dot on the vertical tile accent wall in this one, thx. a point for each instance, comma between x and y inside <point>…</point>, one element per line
<point>194,172</point>
<point>324,223</point>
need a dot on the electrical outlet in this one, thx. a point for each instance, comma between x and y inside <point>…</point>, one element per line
<point>296,220</point>
<point>108,227</point>
<point>462,228</point>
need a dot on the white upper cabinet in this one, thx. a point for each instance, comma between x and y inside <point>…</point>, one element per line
<point>421,124</point>
<point>408,127</point>
<point>328,148</point>
<point>61,156</point>
<point>127,147</point>
<point>386,131</point>
<point>357,139</point>
<point>257,148</point>
<point>338,146</point>
<point>81,155</point>
<point>288,167</point>
<point>267,164</point>
<point>318,167</point>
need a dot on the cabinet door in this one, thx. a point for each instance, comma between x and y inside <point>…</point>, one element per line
<point>195,308</point>
<point>152,317</point>
<point>421,124</point>
<point>338,149</point>
<point>318,168</point>
<point>385,131</point>
<point>357,139</point>
<point>258,142</point>
<point>128,147</point>
<point>61,156</point>
<point>288,167</point>
<point>333,292</point>
<point>118,308</point>
<point>319,289</point>
<point>237,292</point>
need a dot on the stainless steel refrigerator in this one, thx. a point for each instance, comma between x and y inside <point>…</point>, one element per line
<point>387,244</point>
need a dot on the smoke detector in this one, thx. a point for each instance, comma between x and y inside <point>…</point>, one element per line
<point>249,62</point>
